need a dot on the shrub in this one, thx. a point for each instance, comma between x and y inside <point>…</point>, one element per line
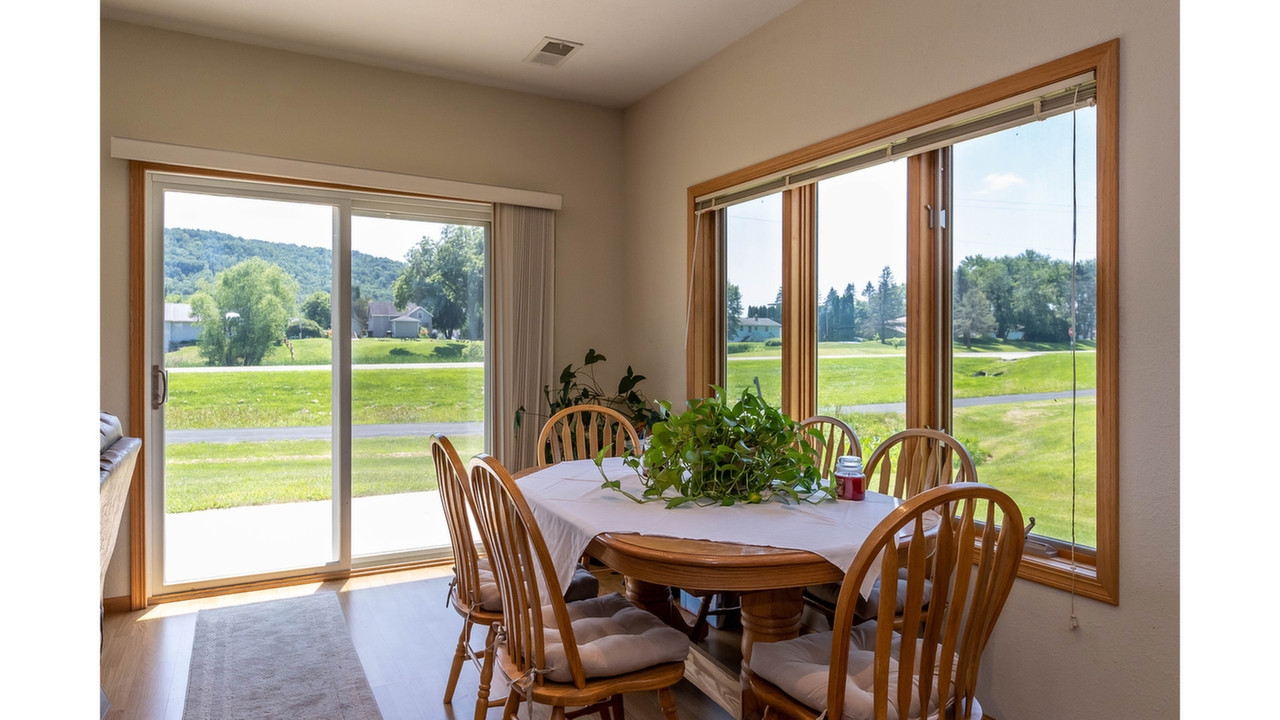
<point>303,328</point>
<point>738,347</point>
<point>773,342</point>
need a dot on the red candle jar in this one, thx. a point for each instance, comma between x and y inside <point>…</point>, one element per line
<point>851,483</point>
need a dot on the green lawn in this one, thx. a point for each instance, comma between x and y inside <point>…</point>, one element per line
<point>1029,457</point>
<point>872,347</point>
<point>1023,449</point>
<point>295,398</point>
<point>875,380</point>
<point>202,476</point>
<point>302,397</point>
<point>364,351</point>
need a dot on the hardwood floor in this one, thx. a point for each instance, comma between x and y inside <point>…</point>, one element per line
<point>403,631</point>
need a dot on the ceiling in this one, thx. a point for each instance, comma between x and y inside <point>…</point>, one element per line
<point>630,47</point>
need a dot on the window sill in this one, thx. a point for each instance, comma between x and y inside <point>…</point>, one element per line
<point>1056,572</point>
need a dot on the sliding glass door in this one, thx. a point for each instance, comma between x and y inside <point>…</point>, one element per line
<point>418,368</point>
<point>305,344</point>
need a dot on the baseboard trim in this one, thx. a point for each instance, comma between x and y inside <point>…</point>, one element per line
<point>116,604</point>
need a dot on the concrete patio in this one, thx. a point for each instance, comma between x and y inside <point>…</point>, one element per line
<point>267,538</point>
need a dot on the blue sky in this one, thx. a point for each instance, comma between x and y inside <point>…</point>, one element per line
<point>1012,191</point>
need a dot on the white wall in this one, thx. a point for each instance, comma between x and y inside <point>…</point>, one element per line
<point>178,88</point>
<point>829,66</point>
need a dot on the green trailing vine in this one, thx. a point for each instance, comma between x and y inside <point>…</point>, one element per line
<point>720,453</point>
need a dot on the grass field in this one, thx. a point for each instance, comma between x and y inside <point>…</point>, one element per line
<point>302,398</point>
<point>364,351</point>
<point>871,347</point>
<point>1023,448</point>
<point>874,380</point>
<point>448,394</point>
<point>204,476</point>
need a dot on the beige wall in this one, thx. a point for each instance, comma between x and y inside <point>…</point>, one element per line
<point>829,66</point>
<point>177,88</point>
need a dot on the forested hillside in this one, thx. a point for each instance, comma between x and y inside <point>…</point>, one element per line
<point>191,255</point>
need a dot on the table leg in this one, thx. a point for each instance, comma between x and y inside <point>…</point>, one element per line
<point>767,616</point>
<point>657,600</point>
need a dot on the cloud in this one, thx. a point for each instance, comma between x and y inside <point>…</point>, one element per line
<point>996,182</point>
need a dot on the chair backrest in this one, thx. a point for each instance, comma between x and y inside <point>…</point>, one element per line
<point>924,462</point>
<point>455,495</point>
<point>580,431</point>
<point>519,556</point>
<point>837,439</point>
<point>972,562</point>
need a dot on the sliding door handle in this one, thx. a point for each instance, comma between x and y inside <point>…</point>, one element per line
<point>159,387</point>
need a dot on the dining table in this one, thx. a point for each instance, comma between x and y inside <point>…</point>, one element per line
<point>766,552</point>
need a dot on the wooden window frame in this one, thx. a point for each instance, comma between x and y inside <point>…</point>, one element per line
<point>1097,571</point>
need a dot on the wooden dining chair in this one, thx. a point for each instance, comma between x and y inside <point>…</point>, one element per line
<point>474,592</point>
<point>973,563</point>
<point>582,654</point>
<point>925,459</point>
<point>580,431</point>
<point>837,439</point>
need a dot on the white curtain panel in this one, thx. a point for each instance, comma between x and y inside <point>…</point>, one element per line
<point>524,251</point>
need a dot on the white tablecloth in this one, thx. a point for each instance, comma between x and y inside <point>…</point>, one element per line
<point>571,509</point>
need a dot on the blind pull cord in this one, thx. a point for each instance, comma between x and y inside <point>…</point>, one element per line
<point>688,308</point>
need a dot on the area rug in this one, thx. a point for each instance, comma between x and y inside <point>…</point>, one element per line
<point>280,659</point>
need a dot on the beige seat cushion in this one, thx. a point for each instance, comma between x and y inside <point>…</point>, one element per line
<point>829,592</point>
<point>801,668</point>
<point>614,637</point>
<point>584,585</point>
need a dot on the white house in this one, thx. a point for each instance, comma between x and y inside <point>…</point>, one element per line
<point>179,327</point>
<point>756,330</point>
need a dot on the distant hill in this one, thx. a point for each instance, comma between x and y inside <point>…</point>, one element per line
<point>190,255</point>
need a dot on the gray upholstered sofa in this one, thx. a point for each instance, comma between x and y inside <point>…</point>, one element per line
<point>119,456</point>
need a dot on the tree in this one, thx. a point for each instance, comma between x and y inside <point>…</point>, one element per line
<point>973,317</point>
<point>446,276</point>
<point>733,309</point>
<point>316,309</point>
<point>886,301</point>
<point>243,312</point>
<point>359,308</point>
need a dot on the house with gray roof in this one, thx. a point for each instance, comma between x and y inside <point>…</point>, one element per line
<point>387,321</point>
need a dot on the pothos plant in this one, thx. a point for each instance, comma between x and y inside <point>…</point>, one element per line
<point>578,386</point>
<point>719,453</point>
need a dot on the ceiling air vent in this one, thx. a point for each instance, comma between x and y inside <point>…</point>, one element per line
<point>552,52</point>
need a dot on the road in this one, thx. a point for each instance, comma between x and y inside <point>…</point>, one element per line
<point>323,432</point>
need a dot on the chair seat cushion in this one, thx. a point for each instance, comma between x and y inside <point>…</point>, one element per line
<point>867,607</point>
<point>801,668</point>
<point>584,585</point>
<point>613,637</point>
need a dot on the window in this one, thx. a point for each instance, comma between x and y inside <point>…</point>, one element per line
<point>753,298</point>
<point>862,301</point>
<point>1020,385</point>
<point>932,277</point>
